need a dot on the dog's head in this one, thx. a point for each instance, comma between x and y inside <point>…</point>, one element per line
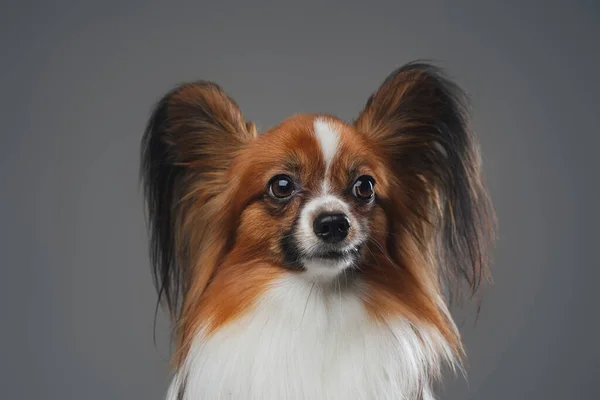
<point>394,199</point>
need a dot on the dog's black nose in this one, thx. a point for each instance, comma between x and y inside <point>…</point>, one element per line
<point>331,228</point>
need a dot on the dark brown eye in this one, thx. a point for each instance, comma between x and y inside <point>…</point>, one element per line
<point>281,187</point>
<point>363,188</point>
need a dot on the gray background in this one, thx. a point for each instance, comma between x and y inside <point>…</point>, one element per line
<point>76,85</point>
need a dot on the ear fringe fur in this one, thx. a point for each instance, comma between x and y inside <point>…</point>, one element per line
<point>419,119</point>
<point>193,134</point>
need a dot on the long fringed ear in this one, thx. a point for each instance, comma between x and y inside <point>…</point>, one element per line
<point>193,134</point>
<point>419,119</point>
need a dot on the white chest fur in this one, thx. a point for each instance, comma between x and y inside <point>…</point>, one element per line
<point>302,342</point>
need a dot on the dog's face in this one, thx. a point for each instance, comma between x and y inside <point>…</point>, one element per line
<point>313,202</point>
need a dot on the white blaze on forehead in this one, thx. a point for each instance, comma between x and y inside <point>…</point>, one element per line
<point>328,138</point>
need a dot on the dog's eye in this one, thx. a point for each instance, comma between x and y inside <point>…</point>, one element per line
<point>281,187</point>
<point>363,188</point>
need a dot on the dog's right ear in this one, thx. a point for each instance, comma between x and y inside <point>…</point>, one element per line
<point>193,135</point>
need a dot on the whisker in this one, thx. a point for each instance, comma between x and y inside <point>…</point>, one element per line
<point>306,305</point>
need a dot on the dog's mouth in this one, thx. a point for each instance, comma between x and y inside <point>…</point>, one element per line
<point>334,255</point>
<point>296,259</point>
<point>325,256</point>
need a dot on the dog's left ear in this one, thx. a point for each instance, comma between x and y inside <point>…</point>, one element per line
<point>418,120</point>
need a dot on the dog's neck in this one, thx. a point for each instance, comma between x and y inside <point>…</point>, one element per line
<point>303,340</point>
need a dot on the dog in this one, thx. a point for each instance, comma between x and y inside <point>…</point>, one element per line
<point>316,260</point>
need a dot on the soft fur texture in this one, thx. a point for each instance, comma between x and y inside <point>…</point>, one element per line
<point>309,342</point>
<point>267,306</point>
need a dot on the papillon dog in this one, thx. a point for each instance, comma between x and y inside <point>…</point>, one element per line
<point>316,260</point>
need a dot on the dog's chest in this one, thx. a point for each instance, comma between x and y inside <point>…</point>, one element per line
<point>302,343</point>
